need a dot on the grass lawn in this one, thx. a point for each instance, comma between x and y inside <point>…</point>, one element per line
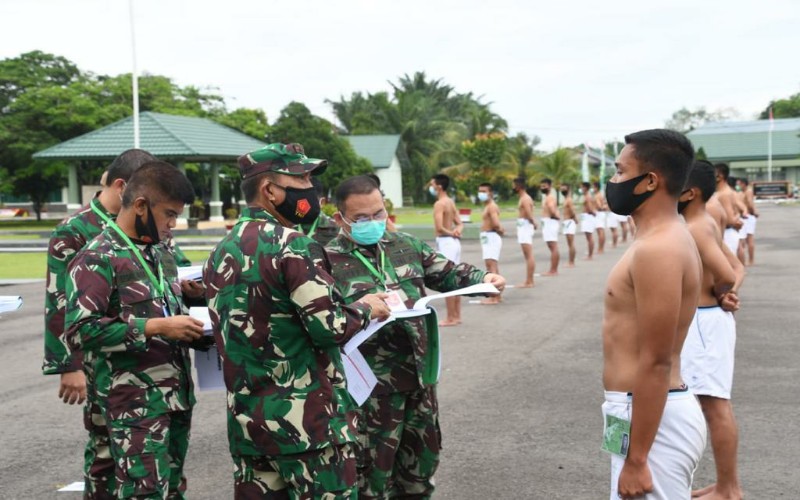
<point>26,225</point>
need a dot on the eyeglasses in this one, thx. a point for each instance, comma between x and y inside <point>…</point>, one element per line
<point>381,215</point>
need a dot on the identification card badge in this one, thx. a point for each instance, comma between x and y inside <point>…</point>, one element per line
<point>394,301</point>
<point>616,436</point>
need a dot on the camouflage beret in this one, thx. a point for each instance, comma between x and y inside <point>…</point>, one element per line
<point>287,159</point>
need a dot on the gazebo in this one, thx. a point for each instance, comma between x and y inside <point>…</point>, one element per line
<point>173,138</point>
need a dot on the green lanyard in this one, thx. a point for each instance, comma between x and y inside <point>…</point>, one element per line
<point>158,284</point>
<point>380,275</point>
<point>313,228</point>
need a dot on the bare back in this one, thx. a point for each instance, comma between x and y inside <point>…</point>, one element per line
<point>589,206</point>
<point>550,207</point>
<point>658,275</point>
<point>445,216</point>
<point>525,207</point>
<point>600,201</point>
<point>717,212</point>
<point>716,268</point>
<point>490,219</point>
<point>569,209</point>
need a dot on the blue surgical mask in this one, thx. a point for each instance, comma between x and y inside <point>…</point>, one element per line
<point>432,190</point>
<point>368,232</point>
<point>483,196</point>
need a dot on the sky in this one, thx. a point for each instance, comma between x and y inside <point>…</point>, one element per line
<point>568,71</point>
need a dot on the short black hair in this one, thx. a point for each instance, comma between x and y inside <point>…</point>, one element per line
<point>521,181</point>
<point>596,184</point>
<point>666,151</point>
<point>126,164</point>
<point>158,181</point>
<point>250,185</point>
<point>442,181</point>
<point>569,188</point>
<point>486,185</point>
<point>743,180</point>
<point>702,177</point>
<point>360,184</point>
<point>732,181</point>
<point>586,185</point>
<point>375,179</point>
<point>723,170</point>
<point>547,181</point>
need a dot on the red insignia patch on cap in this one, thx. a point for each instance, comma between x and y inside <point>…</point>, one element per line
<point>303,207</point>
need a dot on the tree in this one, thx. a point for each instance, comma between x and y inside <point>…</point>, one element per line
<point>319,139</point>
<point>788,107</point>
<point>560,166</point>
<point>685,120</point>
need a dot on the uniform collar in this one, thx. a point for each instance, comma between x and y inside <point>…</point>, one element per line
<point>259,213</point>
<point>96,203</point>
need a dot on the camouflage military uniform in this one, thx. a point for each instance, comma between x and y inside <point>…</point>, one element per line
<point>278,323</point>
<point>399,424</point>
<point>143,385</point>
<point>323,230</point>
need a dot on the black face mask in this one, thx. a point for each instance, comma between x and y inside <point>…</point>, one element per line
<point>300,206</point>
<point>620,196</point>
<point>546,190</point>
<point>683,204</point>
<point>564,192</point>
<point>147,232</point>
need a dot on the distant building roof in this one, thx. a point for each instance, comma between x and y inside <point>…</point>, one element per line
<point>748,140</point>
<point>380,150</point>
<point>166,136</point>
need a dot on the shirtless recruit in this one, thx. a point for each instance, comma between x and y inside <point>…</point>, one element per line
<point>448,227</point>
<point>588,218</point>
<point>727,198</point>
<point>650,300</point>
<point>491,234</point>
<point>600,217</point>
<point>570,222</point>
<point>707,358</point>
<point>550,224</point>
<point>526,226</point>
<point>750,224</point>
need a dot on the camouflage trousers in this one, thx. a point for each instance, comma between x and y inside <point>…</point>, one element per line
<point>98,466</point>
<point>149,453</point>
<point>399,440</point>
<point>325,474</point>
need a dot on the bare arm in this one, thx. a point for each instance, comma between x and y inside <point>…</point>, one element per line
<point>438,220</point>
<point>713,258</point>
<point>526,211</point>
<point>730,214</point>
<point>551,203</point>
<point>494,219</point>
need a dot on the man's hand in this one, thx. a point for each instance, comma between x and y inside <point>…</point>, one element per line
<point>535,225</point>
<point>457,232</point>
<point>737,223</point>
<point>495,279</point>
<point>501,231</point>
<point>73,387</point>
<point>192,289</point>
<point>729,302</point>
<point>180,328</point>
<point>634,481</point>
<point>375,301</point>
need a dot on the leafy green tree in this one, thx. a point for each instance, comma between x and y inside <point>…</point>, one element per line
<point>685,120</point>
<point>561,166</point>
<point>788,107</point>
<point>320,140</point>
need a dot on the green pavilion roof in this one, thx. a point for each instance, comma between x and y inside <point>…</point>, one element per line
<point>166,136</point>
<point>378,149</point>
<point>748,140</point>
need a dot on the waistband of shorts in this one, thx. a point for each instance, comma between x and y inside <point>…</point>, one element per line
<point>447,236</point>
<point>704,308</point>
<point>730,227</point>
<point>622,397</point>
<point>488,232</point>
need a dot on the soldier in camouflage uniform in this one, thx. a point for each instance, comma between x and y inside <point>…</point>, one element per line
<point>67,239</point>
<point>324,228</point>
<point>399,431</point>
<point>278,325</point>
<point>124,307</point>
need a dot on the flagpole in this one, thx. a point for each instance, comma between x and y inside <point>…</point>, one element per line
<point>135,80</point>
<point>769,145</point>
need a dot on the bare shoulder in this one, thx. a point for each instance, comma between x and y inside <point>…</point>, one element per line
<point>666,248</point>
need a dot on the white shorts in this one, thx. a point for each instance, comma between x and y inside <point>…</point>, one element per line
<point>708,352</point>
<point>620,218</point>
<point>550,229</point>
<point>587,223</point>
<point>450,247</point>
<point>600,219</point>
<point>570,226</point>
<point>750,224</point>
<point>491,244</point>
<point>677,448</point>
<point>743,229</point>
<point>731,239</point>
<point>525,232</point>
<point>612,220</point>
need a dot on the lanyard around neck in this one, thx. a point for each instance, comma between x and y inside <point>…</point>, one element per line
<point>158,284</point>
<point>381,276</point>
<point>313,228</point>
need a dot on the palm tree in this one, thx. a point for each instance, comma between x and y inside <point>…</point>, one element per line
<point>561,166</point>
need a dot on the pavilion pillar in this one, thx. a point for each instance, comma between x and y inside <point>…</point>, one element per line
<point>216,203</point>
<point>182,220</point>
<point>74,189</point>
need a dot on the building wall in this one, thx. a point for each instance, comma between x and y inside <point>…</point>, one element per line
<point>392,181</point>
<point>756,170</point>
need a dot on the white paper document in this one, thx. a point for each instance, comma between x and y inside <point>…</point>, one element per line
<point>360,379</point>
<point>421,306</point>
<point>76,486</point>
<point>201,313</point>
<point>10,303</point>
<point>364,334</point>
<point>191,273</point>
<point>209,370</point>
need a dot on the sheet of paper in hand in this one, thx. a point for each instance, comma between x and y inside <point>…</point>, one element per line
<point>360,379</point>
<point>201,313</point>
<point>9,303</point>
<point>191,273</point>
<point>208,365</point>
<point>421,306</point>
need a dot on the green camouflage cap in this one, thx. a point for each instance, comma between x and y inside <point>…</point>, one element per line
<point>287,159</point>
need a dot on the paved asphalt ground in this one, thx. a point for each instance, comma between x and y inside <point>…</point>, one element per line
<point>520,393</point>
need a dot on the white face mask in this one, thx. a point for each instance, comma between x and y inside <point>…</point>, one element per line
<point>483,196</point>
<point>432,190</point>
